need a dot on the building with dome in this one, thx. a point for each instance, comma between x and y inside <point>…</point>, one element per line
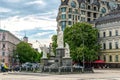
<point>72,11</point>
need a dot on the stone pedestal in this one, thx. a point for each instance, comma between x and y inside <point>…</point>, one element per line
<point>67,61</point>
<point>44,61</point>
<point>60,52</point>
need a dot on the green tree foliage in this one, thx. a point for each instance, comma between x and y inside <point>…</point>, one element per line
<point>82,38</point>
<point>26,53</point>
<point>54,43</point>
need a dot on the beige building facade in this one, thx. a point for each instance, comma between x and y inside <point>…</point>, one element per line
<point>109,38</point>
<point>8,44</point>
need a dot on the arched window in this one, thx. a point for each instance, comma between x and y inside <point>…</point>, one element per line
<point>110,58</point>
<point>110,45</point>
<point>104,34</point>
<point>104,57</point>
<point>116,45</point>
<point>116,58</point>
<point>110,33</point>
<point>104,45</point>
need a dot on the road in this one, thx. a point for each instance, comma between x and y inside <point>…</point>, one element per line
<point>97,75</point>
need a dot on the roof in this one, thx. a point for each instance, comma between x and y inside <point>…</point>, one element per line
<point>1,30</point>
<point>110,17</point>
<point>96,2</point>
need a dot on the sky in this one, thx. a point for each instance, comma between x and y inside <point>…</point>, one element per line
<point>34,18</point>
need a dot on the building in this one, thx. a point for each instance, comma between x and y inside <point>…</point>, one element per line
<point>109,38</point>
<point>7,45</point>
<point>72,11</point>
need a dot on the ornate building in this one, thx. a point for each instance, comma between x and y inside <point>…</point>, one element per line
<point>72,11</point>
<point>8,44</point>
<point>109,38</point>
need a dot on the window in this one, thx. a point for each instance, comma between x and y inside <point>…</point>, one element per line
<point>116,32</point>
<point>78,17</point>
<point>104,57</point>
<point>110,58</point>
<point>63,9</point>
<point>63,24</point>
<point>76,11</point>
<point>83,12</point>
<point>116,45</point>
<point>116,58</point>
<point>89,7</point>
<point>69,23</point>
<point>95,8</point>
<point>69,16</point>
<point>110,33</point>
<point>63,16</point>
<point>104,34</point>
<point>3,53</point>
<point>82,6</point>
<point>70,10</point>
<point>82,18</point>
<point>89,14</point>
<point>104,46</point>
<point>3,46</point>
<point>3,37</point>
<point>95,15</point>
<point>110,45</point>
<point>88,19</point>
<point>73,17</point>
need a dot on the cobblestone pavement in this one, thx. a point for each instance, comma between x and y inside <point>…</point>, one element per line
<point>97,75</point>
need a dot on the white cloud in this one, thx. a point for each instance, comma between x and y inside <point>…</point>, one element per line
<point>17,24</point>
<point>42,33</point>
<point>4,9</point>
<point>40,2</point>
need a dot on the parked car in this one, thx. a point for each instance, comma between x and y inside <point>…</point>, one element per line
<point>27,65</point>
<point>77,66</point>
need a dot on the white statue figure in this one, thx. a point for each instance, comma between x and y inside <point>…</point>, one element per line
<point>44,52</point>
<point>60,39</point>
<point>51,50</point>
<point>67,51</point>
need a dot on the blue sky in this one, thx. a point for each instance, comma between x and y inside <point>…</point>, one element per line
<point>36,18</point>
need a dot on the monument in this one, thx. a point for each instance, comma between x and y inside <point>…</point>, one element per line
<point>60,51</point>
<point>44,59</point>
<point>67,61</point>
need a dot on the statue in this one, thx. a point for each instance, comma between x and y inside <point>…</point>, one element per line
<point>60,39</point>
<point>67,51</point>
<point>44,52</point>
<point>51,50</point>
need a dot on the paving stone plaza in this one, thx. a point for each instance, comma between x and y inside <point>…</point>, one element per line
<point>97,75</point>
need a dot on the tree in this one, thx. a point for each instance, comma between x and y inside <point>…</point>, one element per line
<point>82,38</point>
<point>26,53</point>
<point>54,43</point>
